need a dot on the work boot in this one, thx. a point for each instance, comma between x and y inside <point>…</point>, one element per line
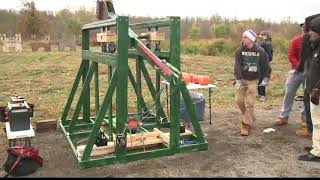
<point>304,133</point>
<point>244,129</point>
<point>303,123</point>
<point>281,121</point>
<point>309,157</point>
<point>308,148</point>
<point>262,98</point>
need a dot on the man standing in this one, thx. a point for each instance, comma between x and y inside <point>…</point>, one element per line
<point>251,60</point>
<point>312,70</point>
<point>265,41</point>
<point>293,82</point>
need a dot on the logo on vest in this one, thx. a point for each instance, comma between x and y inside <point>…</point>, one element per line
<point>250,53</point>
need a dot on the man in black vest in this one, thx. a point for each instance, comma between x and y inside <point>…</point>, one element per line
<point>312,71</point>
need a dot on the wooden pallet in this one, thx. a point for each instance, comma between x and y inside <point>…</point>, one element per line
<point>134,141</point>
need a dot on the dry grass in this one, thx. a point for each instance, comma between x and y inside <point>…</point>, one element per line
<point>45,79</point>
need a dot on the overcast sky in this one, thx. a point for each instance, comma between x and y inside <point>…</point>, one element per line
<point>273,10</point>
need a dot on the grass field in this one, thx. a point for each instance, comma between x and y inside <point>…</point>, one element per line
<point>45,78</point>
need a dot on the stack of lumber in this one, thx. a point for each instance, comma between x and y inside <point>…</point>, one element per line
<point>46,125</point>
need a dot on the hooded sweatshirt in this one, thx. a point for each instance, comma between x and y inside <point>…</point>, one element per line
<point>251,63</point>
<point>312,64</point>
<point>306,49</point>
<point>266,44</point>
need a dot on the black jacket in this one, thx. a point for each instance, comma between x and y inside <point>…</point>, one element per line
<point>306,50</point>
<point>267,46</point>
<point>312,68</point>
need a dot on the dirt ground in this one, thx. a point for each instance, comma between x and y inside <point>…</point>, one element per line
<point>229,155</point>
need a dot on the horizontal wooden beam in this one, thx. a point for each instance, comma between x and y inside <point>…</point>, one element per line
<point>151,24</point>
<point>99,24</point>
<point>100,57</point>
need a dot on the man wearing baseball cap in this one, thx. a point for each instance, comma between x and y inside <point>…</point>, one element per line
<point>292,84</point>
<point>251,60</point>
<point>312,70</point>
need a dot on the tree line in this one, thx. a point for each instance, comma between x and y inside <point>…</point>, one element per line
<point>29,20</point>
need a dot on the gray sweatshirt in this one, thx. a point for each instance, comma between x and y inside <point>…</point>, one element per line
<point>251,63</point>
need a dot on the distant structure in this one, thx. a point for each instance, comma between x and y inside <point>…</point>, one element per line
<point>44,43</point>
<point>11,44</point>
<point>70,42</point>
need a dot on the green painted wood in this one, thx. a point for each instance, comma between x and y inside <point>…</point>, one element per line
<point>135,87</point>
<point>191,109</point>
<point>151,24</point>
<point>110,132</point>
<point>151,87</point>
<point>110,159</point>
<point>86,95</point>
<point>96,87</point>
<point>133,53</point>
<point>174,116</point>
<point>174,96</point>
<point>119,83</point>
<point>80,135</point>
<point>158,99</point>
<point>100,24</point>
<point>79,127</point>
<point>175,42</point>
<point>139,85</point>
<point>100,57</point>
<point>82,100</point>
<point>100,117</point>
<point>122,75</point>
<point>69,141</point>
<point>72,93</point>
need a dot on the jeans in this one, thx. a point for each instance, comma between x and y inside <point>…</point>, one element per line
<point>291,86</point>
<point>261,89</point>
<point>306,102</point>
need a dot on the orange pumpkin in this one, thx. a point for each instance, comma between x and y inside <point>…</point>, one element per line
<point>192,76</point>
<point>204,80</point>
<point>195,79</point>
<point>186,78</point>
<point>133,123</point>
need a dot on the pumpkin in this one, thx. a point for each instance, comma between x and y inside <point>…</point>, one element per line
<point>204,80</point>
<point>195,79</point>
<point>186,78</point>
<point>133,123</point>
<point>192,76</point>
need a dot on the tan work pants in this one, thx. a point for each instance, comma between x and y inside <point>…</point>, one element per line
<point>315,116</point>
<point>245,99</point>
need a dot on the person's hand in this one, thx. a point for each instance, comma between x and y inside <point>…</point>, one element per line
<point>264,82</point>
<point>239,84</point>
<point>315,94</point>
<point>292,71</point>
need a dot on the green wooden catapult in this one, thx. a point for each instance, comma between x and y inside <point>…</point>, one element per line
<point>162,134</point>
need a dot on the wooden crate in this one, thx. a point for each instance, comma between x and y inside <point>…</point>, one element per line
<point>154,36</point>
<point>106,37</point>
